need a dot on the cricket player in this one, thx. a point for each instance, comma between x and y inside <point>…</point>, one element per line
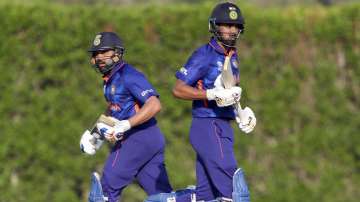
<point>199,80</point>
<point>138,150</point>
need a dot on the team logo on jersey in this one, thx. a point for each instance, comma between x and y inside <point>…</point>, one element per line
<point>113,88</point>
<point>183,70</point>
<point>233,15</point>
<point>145,92</point>
<point>97,40</point>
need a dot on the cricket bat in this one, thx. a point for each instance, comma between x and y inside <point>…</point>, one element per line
<point>228,81</point>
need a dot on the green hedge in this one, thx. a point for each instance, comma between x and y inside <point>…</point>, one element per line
<point>300,72</point>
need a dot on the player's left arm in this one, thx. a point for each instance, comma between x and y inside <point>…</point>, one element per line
<point>151,107</point>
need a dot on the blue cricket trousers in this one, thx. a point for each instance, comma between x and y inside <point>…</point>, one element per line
<point>139,156</point>
<point>213,141</point>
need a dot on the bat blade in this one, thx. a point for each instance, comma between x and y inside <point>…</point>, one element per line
<point>228,81</point>
<point>227,74</point>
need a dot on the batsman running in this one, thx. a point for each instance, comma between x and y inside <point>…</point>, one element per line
<point>138,144</point>
<point>209,78</point>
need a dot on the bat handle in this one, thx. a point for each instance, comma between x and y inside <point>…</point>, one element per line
<point>238,108</point>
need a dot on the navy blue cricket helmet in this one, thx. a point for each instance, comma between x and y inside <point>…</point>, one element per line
<point>226,13</point>
<point>107,41</point>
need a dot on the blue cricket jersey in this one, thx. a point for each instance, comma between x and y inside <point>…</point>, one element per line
<point>126,90</point>
<point>201,70</point>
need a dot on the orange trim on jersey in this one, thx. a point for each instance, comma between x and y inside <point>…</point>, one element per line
<point>200,86</point>
<point>230,53</point>
<point>105,78</point>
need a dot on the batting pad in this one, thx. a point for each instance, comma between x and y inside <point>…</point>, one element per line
<point>240,189</point>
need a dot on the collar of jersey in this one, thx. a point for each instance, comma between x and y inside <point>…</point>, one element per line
<point>113,71</point>
<point>218,48</point>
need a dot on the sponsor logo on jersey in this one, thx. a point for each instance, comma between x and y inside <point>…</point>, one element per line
<point>183,71</point>
<point>145,92</point>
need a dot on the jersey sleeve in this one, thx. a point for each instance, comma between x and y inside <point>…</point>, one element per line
<point>194,69</point>
<point>140,87</point>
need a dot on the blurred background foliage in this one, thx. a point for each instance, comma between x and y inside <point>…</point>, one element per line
<point>300,73</point>
<point>255,2</point>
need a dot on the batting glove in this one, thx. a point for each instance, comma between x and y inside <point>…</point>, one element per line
<point>89,144</point>
<point>224,97</point>
<point>116,133</point>
<point>247,122</point>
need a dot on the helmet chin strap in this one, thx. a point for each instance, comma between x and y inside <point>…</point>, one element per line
<point>228,43</point>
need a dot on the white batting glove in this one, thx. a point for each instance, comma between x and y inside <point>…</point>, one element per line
<point>116,133</point>
<point>247,122</point>
<point>224,97</point>
<point>89,144</point>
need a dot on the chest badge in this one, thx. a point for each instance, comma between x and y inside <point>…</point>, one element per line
<point>113,88</point>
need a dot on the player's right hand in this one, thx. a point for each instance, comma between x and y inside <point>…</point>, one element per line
<point>86,144</point>
<point>224,97</point>
<point>246,119</point>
